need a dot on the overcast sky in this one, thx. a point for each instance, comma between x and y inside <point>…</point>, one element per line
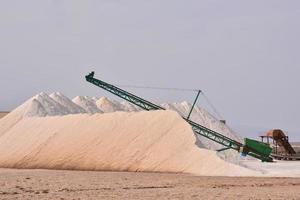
<point>245,55</point>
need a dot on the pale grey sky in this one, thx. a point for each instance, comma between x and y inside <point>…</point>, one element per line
<point>244,54</point>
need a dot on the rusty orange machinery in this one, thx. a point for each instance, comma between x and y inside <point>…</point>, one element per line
<point>280,142</point>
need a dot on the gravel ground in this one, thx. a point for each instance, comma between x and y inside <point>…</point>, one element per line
<point>53,184</point>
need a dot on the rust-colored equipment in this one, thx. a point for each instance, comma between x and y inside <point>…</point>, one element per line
<point>280,142</point>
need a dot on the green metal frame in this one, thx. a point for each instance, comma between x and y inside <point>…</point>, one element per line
<point>223,149</point>
<point>214,136</point>
<point>197,128</point>
<point>188,117</point>
<point>146,105</point>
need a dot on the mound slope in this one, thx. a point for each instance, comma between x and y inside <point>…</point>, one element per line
<point>157,141</point>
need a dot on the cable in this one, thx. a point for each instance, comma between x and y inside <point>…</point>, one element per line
<point>176,89</point>
<point>211,105</point>
<point>157,88</point>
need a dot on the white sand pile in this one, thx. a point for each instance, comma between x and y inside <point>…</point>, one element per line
<point>108,106</point>
<point>44,133</point>
<point>57,104</point>
<point>40,105</point>
<point>88,104</point>
<point>158,141</point>
<point>72,108</point>
<point>204,118</point>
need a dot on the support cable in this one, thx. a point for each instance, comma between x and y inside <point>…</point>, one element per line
<point>212,106</point>
<point>176,89</point>
<point>157,88</point>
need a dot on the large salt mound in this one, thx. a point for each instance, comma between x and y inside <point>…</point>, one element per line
<point>40,105</point>
<point>67,103</point>
<point>204,118</point>
<point>108,106</point>
<point>88,104</point>
<point>130,107</point>
<point>157,141</point>
<point>55,104</point>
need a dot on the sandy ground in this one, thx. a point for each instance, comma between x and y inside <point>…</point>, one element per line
<point>54,184</point>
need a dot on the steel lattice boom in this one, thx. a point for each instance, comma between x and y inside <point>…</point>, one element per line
<point>197,128</point>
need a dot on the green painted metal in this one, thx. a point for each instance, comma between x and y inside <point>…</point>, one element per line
<point>197,128</point>
<point>214,136</point>
<point>199,91</point>
<point>223,149</point>
<point>260,147</point>
<point>264,150</point>
<point>146,105</point>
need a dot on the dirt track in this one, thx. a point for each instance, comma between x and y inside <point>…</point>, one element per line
<point>52,184</point>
